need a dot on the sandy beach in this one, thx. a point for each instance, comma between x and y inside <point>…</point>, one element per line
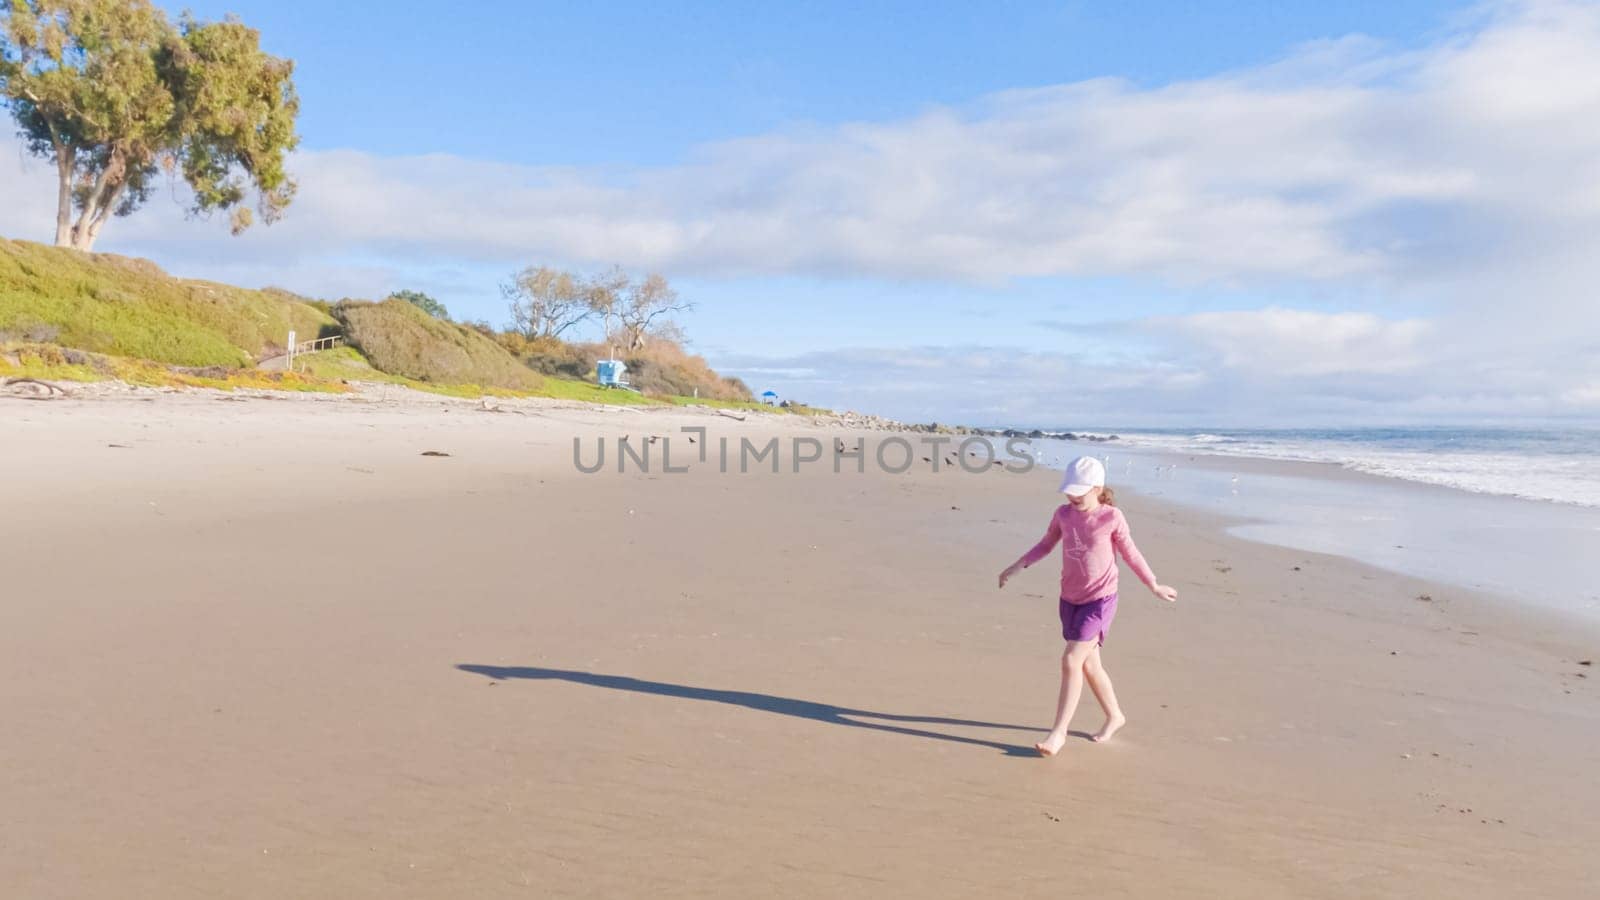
<point>266,648</point>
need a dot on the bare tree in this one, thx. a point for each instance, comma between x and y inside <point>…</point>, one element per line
<point>642,309</point>
<point>606,291</point>
<point>671,332</point>
<point>546,302</point>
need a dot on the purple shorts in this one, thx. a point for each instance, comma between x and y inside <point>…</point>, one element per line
<point>1088,621</point>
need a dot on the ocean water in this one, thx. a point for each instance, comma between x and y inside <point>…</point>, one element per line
<point>1558,465</point>
<point>1512,513</point>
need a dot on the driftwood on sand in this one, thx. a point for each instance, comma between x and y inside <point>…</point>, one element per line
<point>23,388</point>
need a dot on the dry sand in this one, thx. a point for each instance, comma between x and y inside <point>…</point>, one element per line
<point>267,649</point>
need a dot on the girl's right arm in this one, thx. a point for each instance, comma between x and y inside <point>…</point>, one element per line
<point>1037,552</point>
<point>1123,541</point>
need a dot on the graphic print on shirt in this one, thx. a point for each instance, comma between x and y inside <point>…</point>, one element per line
<point>1078,552</point>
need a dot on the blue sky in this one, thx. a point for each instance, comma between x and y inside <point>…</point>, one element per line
<point>1126,213</point>
<point>644,83</point>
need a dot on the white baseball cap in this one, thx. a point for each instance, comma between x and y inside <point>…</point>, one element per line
<point>1084,475</point>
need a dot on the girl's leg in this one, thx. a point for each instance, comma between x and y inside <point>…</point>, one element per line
<point>1094,671</point>
<point>1072,662</point>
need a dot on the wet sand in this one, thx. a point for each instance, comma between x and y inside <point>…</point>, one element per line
<point>265,648</point>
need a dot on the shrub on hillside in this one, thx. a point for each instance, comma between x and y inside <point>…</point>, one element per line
<point>553,356</point>
<point>653,378</point>
<point>663,367</point>
<point>323,305</point>
<point>422,301</point>
<point>129,307</point>
<point>398,338</point>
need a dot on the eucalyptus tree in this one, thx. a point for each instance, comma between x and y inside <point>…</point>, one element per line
<point>114,94</point>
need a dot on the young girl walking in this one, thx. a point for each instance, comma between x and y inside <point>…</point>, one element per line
<point>1091,531</point>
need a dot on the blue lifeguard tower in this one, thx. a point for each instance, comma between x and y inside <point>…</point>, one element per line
<point>770,398</point>
<point>610,373</point>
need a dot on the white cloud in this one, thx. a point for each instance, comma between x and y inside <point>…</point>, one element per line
<point>1177,384</point>
<point>1290,342</point>
<point>27,190</point>
<point>1459,183</point>
<point>1321,166</point>
<point>976,384</point>
<point>1586,395</point>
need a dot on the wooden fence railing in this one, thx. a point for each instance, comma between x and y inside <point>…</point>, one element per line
<point>285,360</point>
<point>323,343</point>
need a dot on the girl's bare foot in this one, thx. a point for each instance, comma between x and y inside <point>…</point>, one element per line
<point>1050,745</point>
<point>1110,728</point>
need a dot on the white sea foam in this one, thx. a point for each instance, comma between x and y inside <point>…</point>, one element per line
<point>1539,553</point>
<point>1558,467</point>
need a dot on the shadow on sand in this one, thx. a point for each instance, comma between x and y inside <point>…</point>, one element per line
<point>783,706</point>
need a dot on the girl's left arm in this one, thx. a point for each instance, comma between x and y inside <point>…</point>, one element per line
<point>1038,551</point>
<point>1122,539</point>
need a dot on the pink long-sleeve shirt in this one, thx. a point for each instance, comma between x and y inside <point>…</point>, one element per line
<point>1089,544</point>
